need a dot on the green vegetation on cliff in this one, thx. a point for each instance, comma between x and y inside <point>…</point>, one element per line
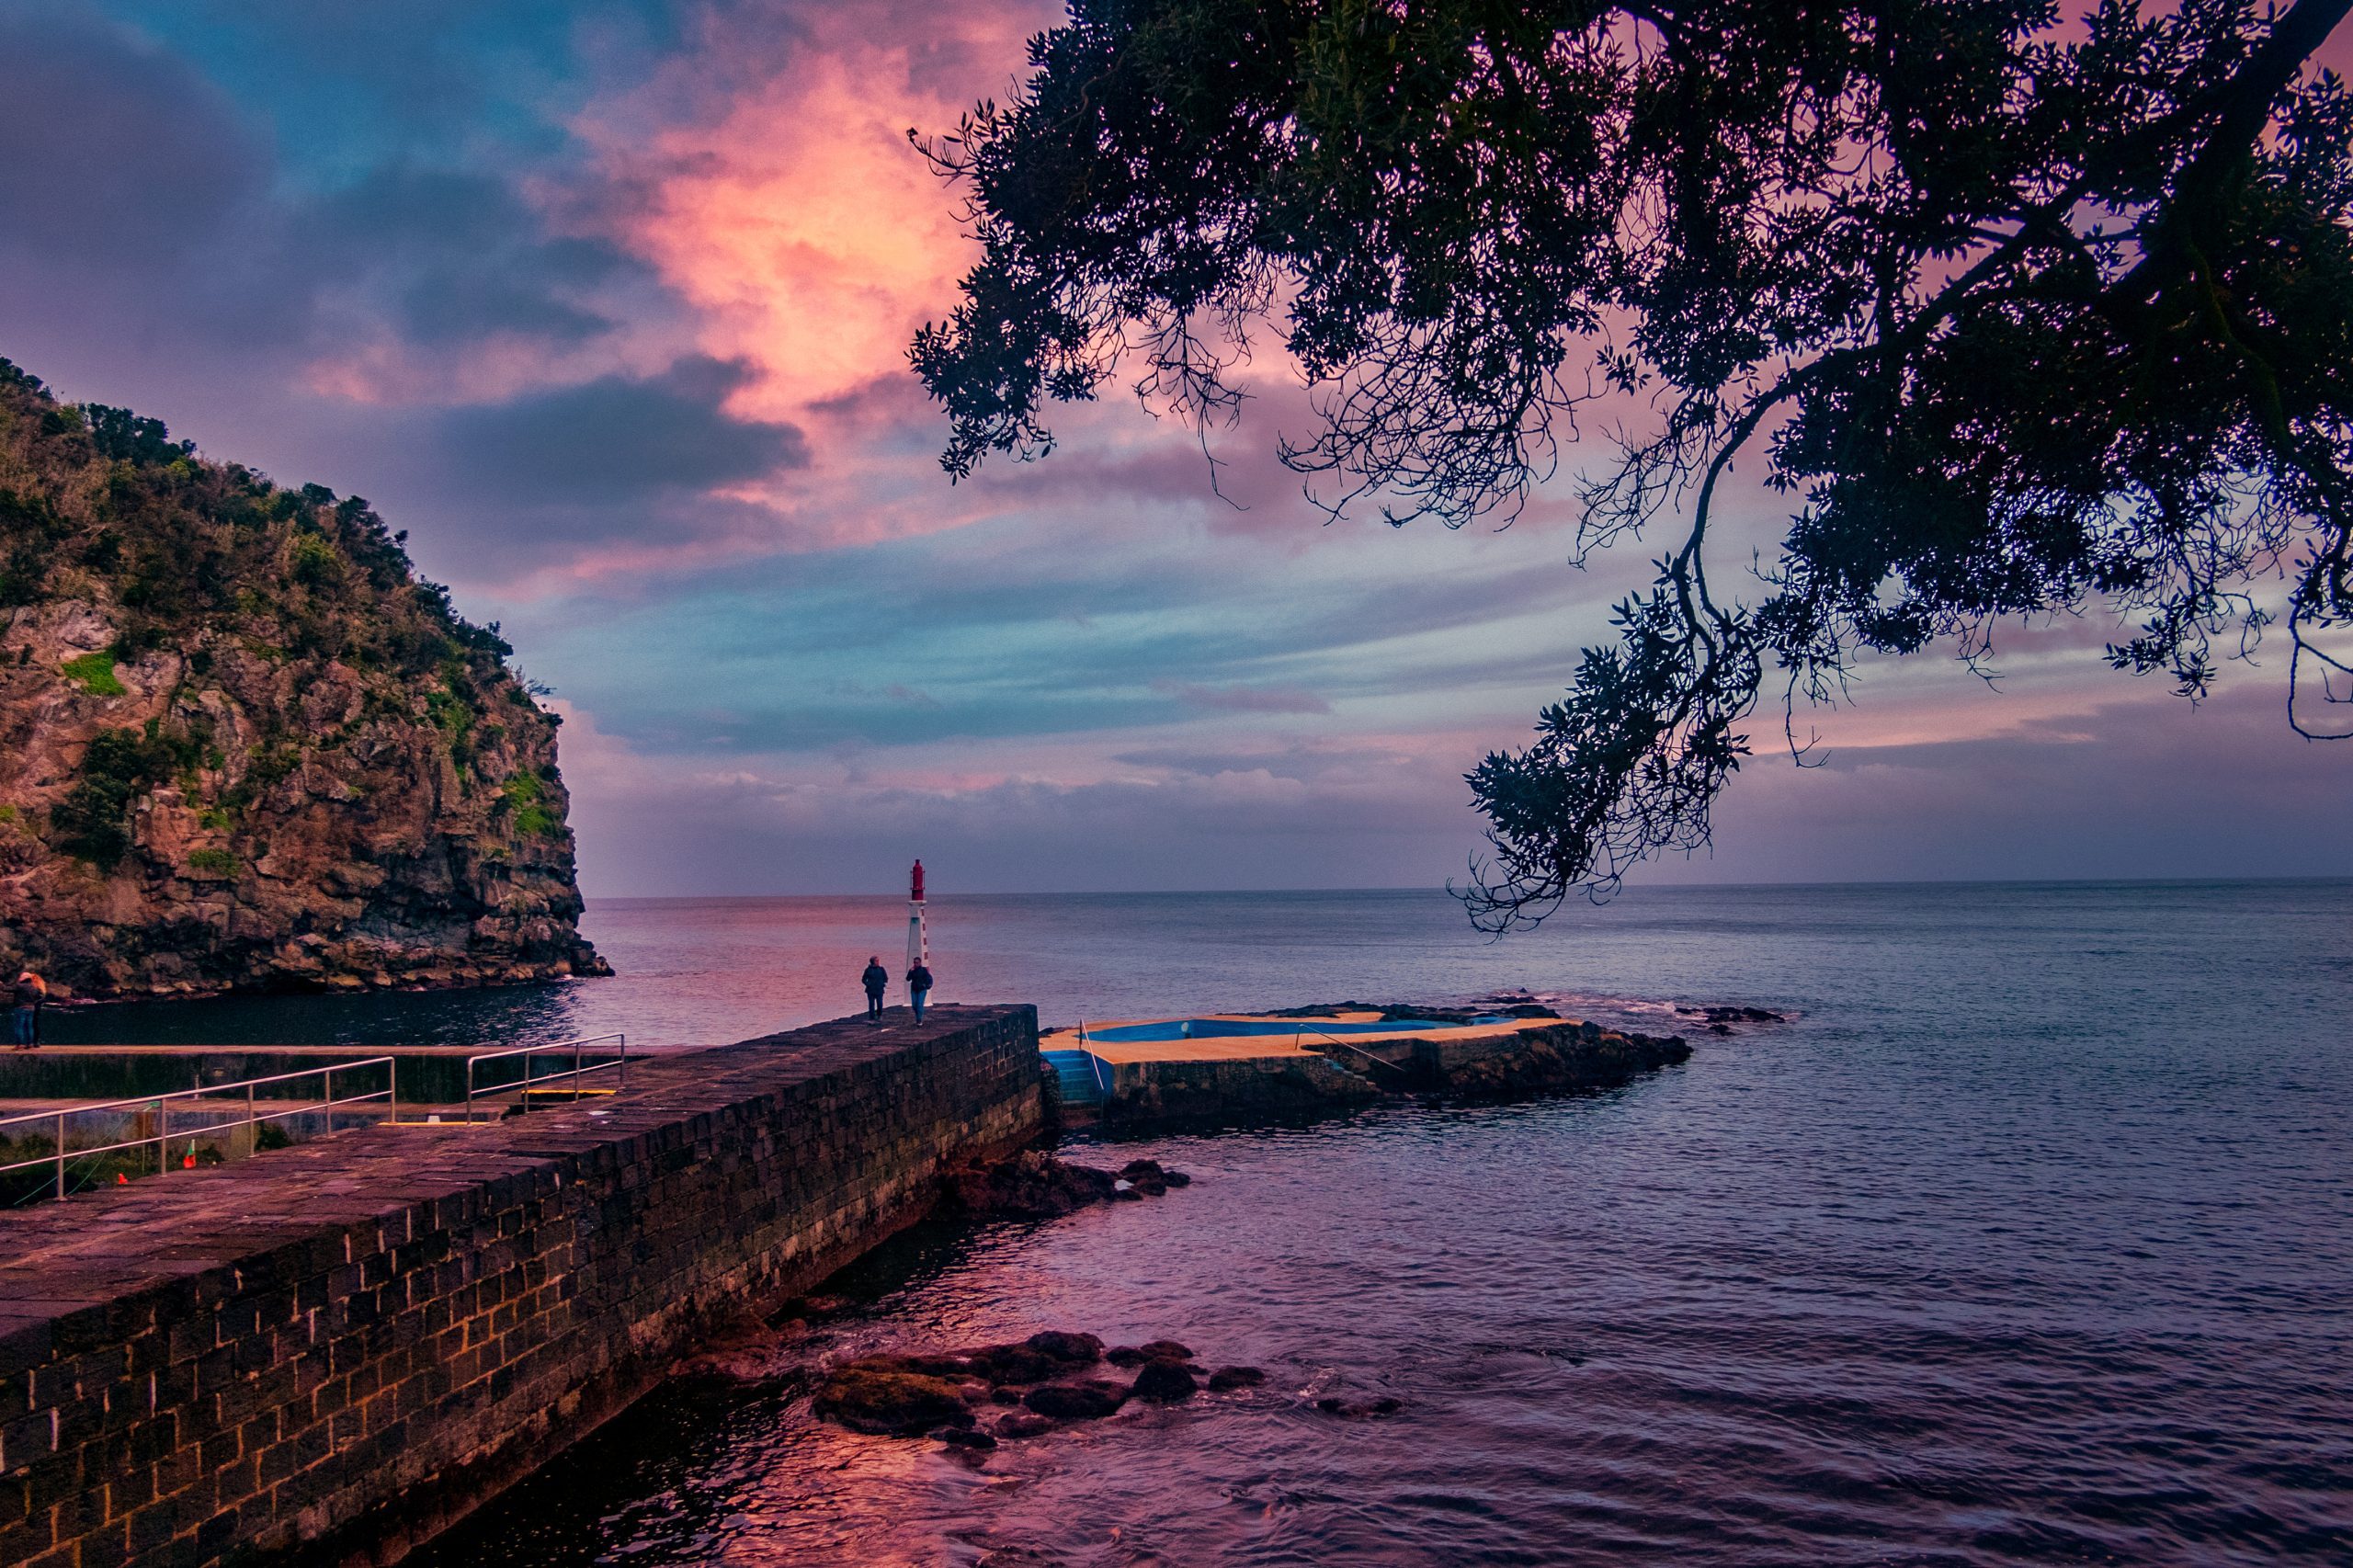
<point>244,744</point>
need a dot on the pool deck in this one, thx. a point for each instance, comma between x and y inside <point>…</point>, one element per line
<point>1255,1047</point>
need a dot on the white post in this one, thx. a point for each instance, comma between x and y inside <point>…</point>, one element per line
<point>918,938</point>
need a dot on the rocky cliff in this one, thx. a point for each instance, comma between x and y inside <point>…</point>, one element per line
<point>243,746</point>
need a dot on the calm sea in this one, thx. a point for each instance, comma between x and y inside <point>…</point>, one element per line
<point>2028,1240</point>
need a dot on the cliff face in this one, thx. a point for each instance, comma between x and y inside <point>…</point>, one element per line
<point>242,746</point>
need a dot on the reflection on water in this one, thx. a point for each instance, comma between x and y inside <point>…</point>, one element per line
<point>2029,1243</point>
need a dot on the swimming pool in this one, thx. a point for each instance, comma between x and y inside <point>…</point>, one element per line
<point>1190,1028</point>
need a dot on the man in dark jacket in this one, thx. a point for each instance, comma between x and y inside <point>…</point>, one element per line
<point>24,1015</point>
<point>918,987</point>
<point>877,980</point>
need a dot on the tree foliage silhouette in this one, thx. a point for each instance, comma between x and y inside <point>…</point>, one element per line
<point>2025,310</point>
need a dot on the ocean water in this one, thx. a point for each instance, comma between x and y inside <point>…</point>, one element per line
<point>2029,1239</point>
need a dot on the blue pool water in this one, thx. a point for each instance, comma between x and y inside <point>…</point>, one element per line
<point>1202,1028</point>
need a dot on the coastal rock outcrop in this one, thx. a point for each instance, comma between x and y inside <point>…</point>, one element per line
<point>1561,1056</point>
<point>242,746</point>
<point>891,1401</point>
<point>1032,1185</point>
<point>1049,1379</point>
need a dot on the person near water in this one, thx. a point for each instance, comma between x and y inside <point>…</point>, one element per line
<point>24,1016</point>
<point>877,980</point>
<point>918,987</point>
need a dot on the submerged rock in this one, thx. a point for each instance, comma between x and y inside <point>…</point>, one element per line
<point>891,1403</point>
<point>963,1438</point>
<point>1033,1184</point>
<point>1733,1015</point>
<point>1088,1401</point>
<point>751,1353</point>
<point>1030,1185</point>
<point>912,1392</point>
<point>1359,1409</point>
<point>1227,1378</point>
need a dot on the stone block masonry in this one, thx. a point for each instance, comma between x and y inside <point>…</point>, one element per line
<point>330,1352</point>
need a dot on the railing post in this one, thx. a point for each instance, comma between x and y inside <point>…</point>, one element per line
<point>60,1155</point>
<point>575,1072</point>
<point>163,1134</point>
<point>622,1082</point>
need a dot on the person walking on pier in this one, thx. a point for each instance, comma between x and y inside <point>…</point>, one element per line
<point>877,981</point>
<point>918,987</point>
<point>24,1016</point>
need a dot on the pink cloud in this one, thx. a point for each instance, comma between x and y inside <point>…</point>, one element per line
<point>775,188</point>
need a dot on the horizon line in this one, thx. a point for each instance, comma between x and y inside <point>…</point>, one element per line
<point>1432,888</point>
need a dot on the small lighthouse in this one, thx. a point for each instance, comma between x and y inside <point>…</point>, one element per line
<point>918,938</point>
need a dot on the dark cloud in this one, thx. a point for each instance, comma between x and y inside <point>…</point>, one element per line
<point>617,439</point>
<point>452,257</point>
<point>113,153</point>
<point>146,213</point>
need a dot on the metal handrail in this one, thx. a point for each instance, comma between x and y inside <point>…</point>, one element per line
<point>575,1071</point>
<point>1094,1064</point>
<point>389,1094</point>
<point>1345,1045</point>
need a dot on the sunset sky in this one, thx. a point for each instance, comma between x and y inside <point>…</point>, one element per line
<point>606,302</point>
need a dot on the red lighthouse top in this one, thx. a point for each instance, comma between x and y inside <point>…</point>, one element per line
<point>917,894</point>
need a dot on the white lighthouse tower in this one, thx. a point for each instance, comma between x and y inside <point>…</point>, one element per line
<point>918,938</point>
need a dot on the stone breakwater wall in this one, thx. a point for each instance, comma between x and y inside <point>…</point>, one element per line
<point>328,1353</point>
<point>1560,1057</point>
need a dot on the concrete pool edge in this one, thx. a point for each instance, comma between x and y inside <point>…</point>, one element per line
<point>1208,1079</point>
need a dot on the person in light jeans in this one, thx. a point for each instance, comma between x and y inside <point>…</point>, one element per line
<point>918,987</point>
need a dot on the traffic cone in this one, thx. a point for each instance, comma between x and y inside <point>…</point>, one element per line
<point>187,1160</point>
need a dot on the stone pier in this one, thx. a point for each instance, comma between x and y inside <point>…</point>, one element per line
<point>329,1352</point>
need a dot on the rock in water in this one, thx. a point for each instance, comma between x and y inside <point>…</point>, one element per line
<point>244,746</point>
<point>1150,1350</point>
<point>1030,1186</point>
<point>1227,1378</point>
<point>899,1404</point>
<point>1076,1401</point>
<point>964,1438</point>
<point>1077,1349</point>
<point>1146,1176</point>
<point>1165,1381</point>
